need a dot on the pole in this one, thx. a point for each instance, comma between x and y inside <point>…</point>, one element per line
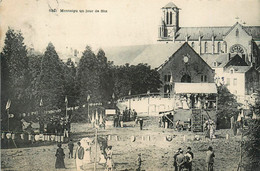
<point>95,163</point>
<point>88,109</point>
<point>148,104</point>
<point>66,110</point>
<point>8,119</point>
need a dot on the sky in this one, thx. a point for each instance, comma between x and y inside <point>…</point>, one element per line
<point>126,22</point>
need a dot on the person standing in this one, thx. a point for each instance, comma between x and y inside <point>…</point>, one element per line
<point>180,160</point>
<point>79,155</point>
<point>210,158</point>
<point>141,123</point>
<point>59,158</point>
<point>139,162</point>
<point>174,160</point>
<point>71,146</point>
<point>190,156</point>
<point>109,163</point>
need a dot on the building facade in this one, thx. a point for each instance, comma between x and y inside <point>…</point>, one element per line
<point>236,39</point>
<point>232,52</point>
<point>185,66</point>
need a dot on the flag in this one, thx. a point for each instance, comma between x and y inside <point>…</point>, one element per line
<point>41,103</point>
<point>168,91</point>
<point>129,93</point>
<point>148,92</point>
<point>8,104</point>
<point>239,118</point>
<point>113,96</point>
<point>88,97</point>
<point>242,113</point>
<point>66,99</point>
<point>254,115</point>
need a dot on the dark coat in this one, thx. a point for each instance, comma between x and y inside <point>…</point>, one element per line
<point>60,158</point>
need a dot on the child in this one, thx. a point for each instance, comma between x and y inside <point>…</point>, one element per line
<point>109,164</point>
<point>139,162</point>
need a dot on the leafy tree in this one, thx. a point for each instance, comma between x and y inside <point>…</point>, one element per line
<point>137,78</point>
<point>70,82</point>
<point>88,77</point>
<point>227,107</point>
<point>14,74</point>
<point>105,76</point>
<point>50,87</point>
<point>252,139</point>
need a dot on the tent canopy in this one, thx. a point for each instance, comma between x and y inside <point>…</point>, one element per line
<point>195,88</point>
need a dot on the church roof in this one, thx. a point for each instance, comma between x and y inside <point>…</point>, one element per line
<point>121,55</point>
<point>206,33</point>
<point>153,54</point>
<point>254,31</point>
<point>170,5</point>
<point>157,54</point>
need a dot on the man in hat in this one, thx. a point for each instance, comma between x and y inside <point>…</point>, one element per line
<point>210,158</point>
<point>189,156</point>
<point>174,159</point>
<point>79,155</point>
<point>180,159</point>
<point>70,145</point>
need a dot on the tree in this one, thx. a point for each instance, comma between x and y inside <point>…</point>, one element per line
<point>70,82</point>
<point>252,139</point>
<point>227,107</point>
<point>88,77</point>
<point>136,78</point>
<point>50,86</point>
<point>105,77</point>
<point>14,74</point>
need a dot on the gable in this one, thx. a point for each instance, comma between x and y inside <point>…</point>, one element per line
<point>185,62</point>
<point>236,61</point>
<point>186,51</point>
<point>237,31</point>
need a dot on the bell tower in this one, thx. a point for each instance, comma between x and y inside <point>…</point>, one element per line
<point>169,24</point>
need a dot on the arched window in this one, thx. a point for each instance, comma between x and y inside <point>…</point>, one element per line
<point>219,47</point>
<point>237,32</point>
<point>192,45</point>
<point>225,47</point>
<point>170,17</point>
<point>167,17</point>
<point>206,47</point>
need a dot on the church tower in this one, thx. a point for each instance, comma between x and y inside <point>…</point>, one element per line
<point>169,24</point>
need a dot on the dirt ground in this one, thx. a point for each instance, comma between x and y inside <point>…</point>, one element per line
<point>157,153</point>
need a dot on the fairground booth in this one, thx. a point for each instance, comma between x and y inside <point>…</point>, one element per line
<point>194,104</point>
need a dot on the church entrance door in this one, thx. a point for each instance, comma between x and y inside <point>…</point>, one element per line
<point>186,79</point>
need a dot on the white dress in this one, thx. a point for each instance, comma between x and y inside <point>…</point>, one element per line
<point>87,156</point>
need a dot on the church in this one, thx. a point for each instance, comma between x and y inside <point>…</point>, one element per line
<point>227,55</point>
<point>231,51</point>
<point>236,39</point>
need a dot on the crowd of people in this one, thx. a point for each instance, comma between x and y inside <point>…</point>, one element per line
<point>183,161</point>
<point>83,155</point>
<point>124,116</point>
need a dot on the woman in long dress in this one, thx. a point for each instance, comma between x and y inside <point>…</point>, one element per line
<point>87,156</point>
<point>59,158</point>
